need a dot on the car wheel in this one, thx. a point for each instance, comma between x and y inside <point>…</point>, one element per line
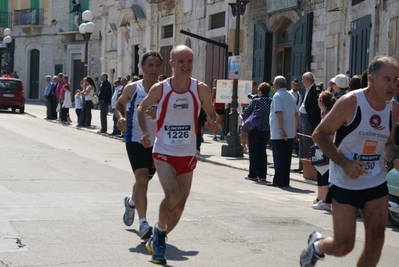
<point>21,110</point>
<point>13,110</point>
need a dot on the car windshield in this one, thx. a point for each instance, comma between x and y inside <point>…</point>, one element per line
<point>9,85</point>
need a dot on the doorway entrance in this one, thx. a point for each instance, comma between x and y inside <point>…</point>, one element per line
<point>34,74</point>
<point>283,50</point>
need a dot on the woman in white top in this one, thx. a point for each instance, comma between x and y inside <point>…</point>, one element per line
<point>66,104</point>
<point>88,93</point>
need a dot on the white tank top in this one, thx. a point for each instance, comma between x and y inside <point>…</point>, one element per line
<point>134,132</point>
<point>363,139</point>
<point>177,120</point>
<point>89,96</point>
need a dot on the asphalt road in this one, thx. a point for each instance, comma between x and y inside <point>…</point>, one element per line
<point>61,204</point>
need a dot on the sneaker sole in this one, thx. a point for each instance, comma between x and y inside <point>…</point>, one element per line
<point>149,249</point>
<point>124,215</point>
<point>147,234</point>
<point>158,259</point>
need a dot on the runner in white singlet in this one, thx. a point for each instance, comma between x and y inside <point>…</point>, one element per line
<point>179,101</point>
<point>140,157</point>
<point>363,121</point>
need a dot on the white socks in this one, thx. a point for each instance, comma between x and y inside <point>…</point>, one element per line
<point>316,248</point>
<point>160,229</point>
<point>131,202</point>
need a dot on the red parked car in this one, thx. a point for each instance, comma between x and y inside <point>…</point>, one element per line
<point>12,94</point>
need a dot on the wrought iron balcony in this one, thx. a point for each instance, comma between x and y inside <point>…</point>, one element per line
<point>28,17</point>
<point>5,19</point>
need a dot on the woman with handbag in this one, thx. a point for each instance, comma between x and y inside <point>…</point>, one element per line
<point>326,101</point>
<point>258,138</point>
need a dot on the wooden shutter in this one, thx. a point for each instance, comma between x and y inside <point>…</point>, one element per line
<point>262,54</point>
<point>360,45</point>
<point>165,53</point>
<point>215,65</point>
<point>301,45</point>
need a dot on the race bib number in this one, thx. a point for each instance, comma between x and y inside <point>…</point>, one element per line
<point>177,134</point>
<point>370,160</point>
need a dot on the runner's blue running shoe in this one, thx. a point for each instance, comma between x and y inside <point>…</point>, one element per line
<point>156,246</point>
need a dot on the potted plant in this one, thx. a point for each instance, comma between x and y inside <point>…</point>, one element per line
<point>309,171</point>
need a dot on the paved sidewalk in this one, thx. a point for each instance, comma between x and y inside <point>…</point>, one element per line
<point>210,150</point>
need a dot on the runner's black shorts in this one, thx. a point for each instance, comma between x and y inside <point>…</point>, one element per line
<point>357,198</point>
<point>140,157</point>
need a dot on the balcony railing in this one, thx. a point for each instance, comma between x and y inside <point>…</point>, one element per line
<point>28,17</point>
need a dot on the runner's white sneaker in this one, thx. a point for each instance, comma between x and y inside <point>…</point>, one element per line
<point>309,257</point>
<point>145,231</point>
<point>321,205</point>
<point>128,217</point>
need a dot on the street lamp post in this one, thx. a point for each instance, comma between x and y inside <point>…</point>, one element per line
<point>233,147</point>
<point>7,40</point>
<point>86,29</point>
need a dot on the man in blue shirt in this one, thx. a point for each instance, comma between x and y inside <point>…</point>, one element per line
<point>283,125</point>
<point>47,97</point>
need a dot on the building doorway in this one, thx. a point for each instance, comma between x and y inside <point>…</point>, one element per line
<point>34,74</point>
<point>283,50</point>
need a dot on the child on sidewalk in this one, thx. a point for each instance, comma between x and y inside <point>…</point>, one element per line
<point>78,104</point>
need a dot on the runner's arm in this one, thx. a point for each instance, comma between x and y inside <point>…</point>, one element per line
<point>120,106</point>
<point>153,97</point>
<point>342,113</point>
<point>206,100</point>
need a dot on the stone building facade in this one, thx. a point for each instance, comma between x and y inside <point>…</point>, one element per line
<point>276,37</point>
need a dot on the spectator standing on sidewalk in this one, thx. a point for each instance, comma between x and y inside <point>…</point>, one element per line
<point>104,97</point>
<point>118,87</point>
<point>219,108</point>
<point>179,101</point>
<point>54,100</point>
<point>283,125</point>
<point>47,97</point>
<point>78,105</point>
<point>90,90</point>
<point>66,105</point>
<point>257,139</point>
<point>340,85</point>
<point>298,102</point>
<point>309,117</point>
<point>326,102</point>
<point>82,117</point>
<point>58,90</point>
